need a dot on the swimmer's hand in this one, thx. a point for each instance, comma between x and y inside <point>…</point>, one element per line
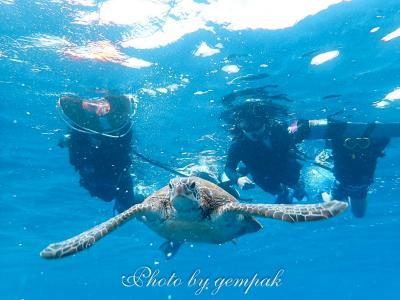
<point>245,183</point>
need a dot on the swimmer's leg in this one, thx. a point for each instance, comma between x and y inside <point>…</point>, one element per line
<point>358,201</point>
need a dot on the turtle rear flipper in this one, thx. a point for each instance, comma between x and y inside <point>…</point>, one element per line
<point>170,248</point>
<point>288,212</point>
<point>89,237</point>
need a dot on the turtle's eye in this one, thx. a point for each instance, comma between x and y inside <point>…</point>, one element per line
<point>192,186</point>
<point>170,185</point>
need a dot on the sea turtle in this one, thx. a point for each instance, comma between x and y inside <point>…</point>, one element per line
<point>195,210</point>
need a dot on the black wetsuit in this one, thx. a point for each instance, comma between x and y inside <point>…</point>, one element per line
<point>271,163</point>
<point>354,166</point>
<point>103,164</point>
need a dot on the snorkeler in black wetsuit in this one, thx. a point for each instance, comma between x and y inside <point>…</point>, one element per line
<point>268,150</point>
<point>355,162</point>
<point>356,148</point>
<point>99,144</point>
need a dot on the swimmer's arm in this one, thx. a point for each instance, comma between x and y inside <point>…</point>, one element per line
<point>232,163</point>
<point>327,129</point>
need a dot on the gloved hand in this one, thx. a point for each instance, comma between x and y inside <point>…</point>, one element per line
<point>245,183</point>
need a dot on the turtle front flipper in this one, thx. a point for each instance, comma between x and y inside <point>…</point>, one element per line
<point>287,212</point>
<point>89,237</point>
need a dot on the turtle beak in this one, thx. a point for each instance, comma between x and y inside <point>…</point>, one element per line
<point>179,191</point>
<point>183,199</point>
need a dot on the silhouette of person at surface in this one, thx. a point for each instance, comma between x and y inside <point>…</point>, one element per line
<point>99,143</point>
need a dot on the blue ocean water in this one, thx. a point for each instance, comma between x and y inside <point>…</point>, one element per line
<point>52,48</point>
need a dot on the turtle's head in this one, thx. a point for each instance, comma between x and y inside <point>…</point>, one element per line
<point>184,194</point>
